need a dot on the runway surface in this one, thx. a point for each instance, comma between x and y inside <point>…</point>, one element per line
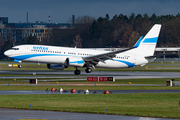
<point>70,74</point>
<point>23,92</point>
<point>15,114</point>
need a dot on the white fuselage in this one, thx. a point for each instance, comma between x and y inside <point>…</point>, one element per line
<point>57,55</point>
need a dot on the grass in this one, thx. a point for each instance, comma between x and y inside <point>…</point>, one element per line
<point>69,81</point>
<point>151,105</point>
<point>80,85</point>
<point>145,81</point>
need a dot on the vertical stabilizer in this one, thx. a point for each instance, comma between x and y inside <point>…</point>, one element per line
<point>146,46</point>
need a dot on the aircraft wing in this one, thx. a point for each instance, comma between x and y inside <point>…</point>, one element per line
<point>105,56</point>
<point>109,55</point>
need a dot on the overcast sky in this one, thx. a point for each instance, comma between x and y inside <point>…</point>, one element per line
<point>61,10</point>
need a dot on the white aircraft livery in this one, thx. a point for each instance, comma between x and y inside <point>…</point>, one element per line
<point>62,57</point>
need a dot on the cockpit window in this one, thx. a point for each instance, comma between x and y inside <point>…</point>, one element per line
<point>14,48</point>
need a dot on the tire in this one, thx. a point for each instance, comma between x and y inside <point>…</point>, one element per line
<point>77,72</point>
<point>88,70</point>
<point>19,66</point>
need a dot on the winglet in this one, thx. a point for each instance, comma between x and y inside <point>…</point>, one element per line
<point>138,42</point>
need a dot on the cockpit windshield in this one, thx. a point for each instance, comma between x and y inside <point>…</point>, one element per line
<point>14,48</point>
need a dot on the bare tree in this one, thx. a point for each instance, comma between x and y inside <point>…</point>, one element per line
<point>84,19</point>
<point>77,41</point>
<point>1,42</point>
<point>133,38</point>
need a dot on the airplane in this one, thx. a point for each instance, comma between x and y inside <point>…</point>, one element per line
<point>61,57</point>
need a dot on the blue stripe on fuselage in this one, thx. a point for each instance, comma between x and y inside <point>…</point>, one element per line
<point>23,57</point>
<point>78,62</point>
<point>129,64</point>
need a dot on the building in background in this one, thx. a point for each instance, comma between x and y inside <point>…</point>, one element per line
<point>18,31</point>
<point>6,32</point>
<point>39,29</point>
<point>4,20</point>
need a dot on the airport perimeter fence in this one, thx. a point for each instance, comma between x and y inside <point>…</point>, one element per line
<point>167,60</point>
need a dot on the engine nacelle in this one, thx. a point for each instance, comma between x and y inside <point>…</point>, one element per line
<point>64,61</point>
<point>76,61</point>
<point>56,66</point>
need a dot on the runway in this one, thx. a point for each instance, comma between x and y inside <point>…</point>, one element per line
<point>29,92</point>
<point>70,74</point>
<point>15,114</point>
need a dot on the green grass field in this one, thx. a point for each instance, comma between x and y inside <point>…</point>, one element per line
<point>154,105</point>
<point>82,84</point>
<point>141,104</point>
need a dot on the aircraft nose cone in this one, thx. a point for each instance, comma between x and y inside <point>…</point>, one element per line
<point>6,53</point>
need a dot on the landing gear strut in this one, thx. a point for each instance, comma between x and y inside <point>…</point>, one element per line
<point>77,72</point>
<point>88,70</point>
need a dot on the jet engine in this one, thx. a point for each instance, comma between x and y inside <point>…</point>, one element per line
<point>56,66</point>
<point>71,61</point>
<point>76,61</point>
<point>64,61</point>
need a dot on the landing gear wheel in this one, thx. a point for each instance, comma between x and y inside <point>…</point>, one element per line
<point>19,66</point>
<point>88,70</point>
<point>77,72</point>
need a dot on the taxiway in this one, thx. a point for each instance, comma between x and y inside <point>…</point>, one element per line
<point>15,114</point>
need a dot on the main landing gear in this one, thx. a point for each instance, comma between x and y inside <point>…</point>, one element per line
<point>88,70</point>
<point>78,72</point>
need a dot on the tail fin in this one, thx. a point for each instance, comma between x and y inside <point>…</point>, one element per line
<point>146,46</point>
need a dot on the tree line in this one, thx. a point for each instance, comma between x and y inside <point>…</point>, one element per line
<point>120,31</point>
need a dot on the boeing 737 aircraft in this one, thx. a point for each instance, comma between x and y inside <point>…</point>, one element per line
<point>62,57</point>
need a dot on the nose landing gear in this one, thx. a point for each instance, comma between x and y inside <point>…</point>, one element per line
<point>77,72</point>
<point>19,66</point>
